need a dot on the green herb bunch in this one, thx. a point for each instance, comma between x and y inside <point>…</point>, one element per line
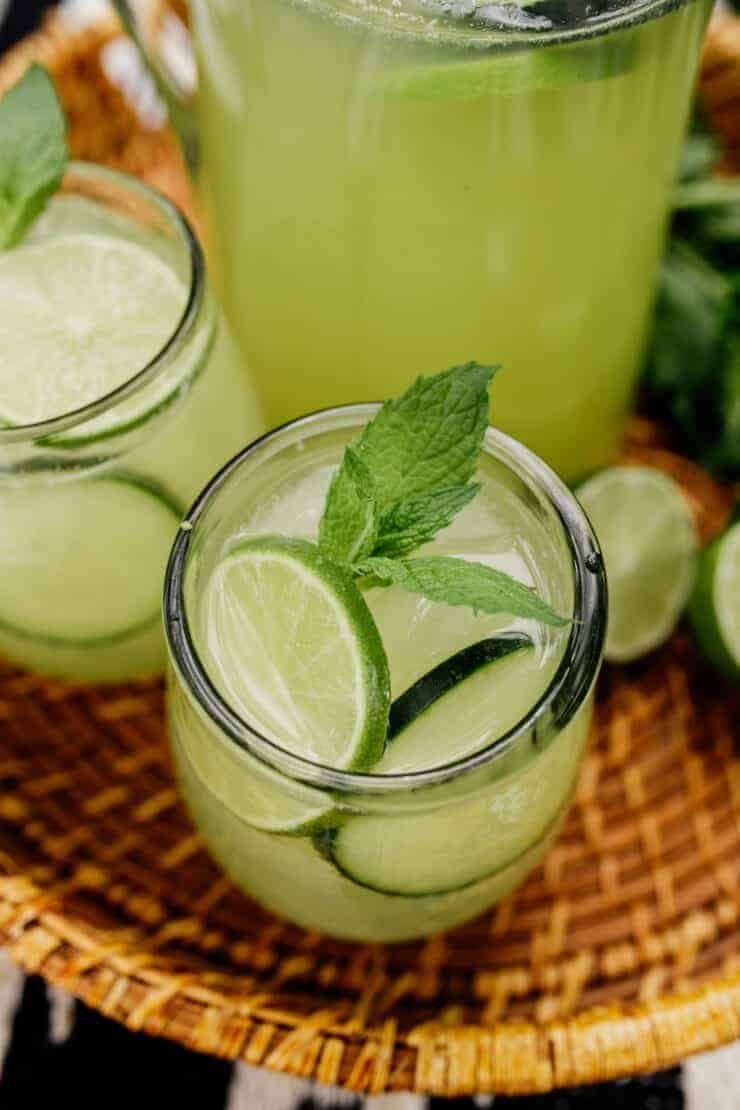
<point>692,366</point>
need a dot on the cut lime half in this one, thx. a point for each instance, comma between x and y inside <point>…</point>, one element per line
<point>80,315</point>
<point>714,610</point>
<point>649,541</point>
<point>292,646</point>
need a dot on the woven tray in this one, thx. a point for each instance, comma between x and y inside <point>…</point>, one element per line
<point>621,954</point>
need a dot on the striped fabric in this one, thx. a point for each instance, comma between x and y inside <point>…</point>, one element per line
<point>55,1051</point>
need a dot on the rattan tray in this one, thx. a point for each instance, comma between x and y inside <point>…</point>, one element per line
<point>620,955</point>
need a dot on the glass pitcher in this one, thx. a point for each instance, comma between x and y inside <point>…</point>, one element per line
<point>393,186</point>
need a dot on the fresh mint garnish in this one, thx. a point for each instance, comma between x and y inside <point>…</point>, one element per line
<point>453,581</point>
<point>355,522</point>
<point>33,152</point>
<point>426,440</point>
<point>404,479</point>
<point>416,521</point>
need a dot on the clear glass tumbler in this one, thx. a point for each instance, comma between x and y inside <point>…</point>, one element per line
<point>379,857</point>
<point>90,499</point>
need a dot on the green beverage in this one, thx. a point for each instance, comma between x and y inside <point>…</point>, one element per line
<point>120,393</point>
<point>279,670</point>
<point>393,186</point>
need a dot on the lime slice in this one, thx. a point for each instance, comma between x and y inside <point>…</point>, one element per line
<point>82,562</point>
<point>293,647</point>
<point>79,316</point>
<point>253,792</point>
<point>649,541</point>
<point>714,610</point>
<point>510,72</point>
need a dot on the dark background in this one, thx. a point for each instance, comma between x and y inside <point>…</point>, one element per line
<point>103,1067</point>
<point>22,17</point>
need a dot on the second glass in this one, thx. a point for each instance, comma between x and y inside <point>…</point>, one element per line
<point>90,499</point>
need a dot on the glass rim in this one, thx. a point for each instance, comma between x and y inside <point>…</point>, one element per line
<point>627,14</point>
<point>572,681</point>
<point>142,376</point>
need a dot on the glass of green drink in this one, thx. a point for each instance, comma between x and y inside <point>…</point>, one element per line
<point>120,392</point>
<point>406,183</point>
<point>465,797</point>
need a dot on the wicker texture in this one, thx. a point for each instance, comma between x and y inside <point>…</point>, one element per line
<point>621,954</point>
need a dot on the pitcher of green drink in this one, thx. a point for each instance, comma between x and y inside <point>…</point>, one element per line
<point>395,185</point>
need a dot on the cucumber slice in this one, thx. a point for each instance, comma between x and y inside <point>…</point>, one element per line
<point>82,561</point>
<point>486,701</point>
<point>442,679</point>
<point>463,840</point>
<point>327,844</point>
<point>288,875</point>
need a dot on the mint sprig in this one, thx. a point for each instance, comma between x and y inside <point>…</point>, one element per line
<point>33,152</point>
<point>453,581</point>
<point>426,440</point>
<point>416,520</point>
<point>404,479</point>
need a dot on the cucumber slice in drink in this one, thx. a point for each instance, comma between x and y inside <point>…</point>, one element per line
<point>474,696</point>
<point>82,562</point>
<point>506,73</point>
<point>294,880</point>
<point>447,676</point>
<point>649,540</point>
<point>714,609</point>
<point>454,847</point>
<point>315,674</point>
<point>448,843</point>
<point>65,344</point>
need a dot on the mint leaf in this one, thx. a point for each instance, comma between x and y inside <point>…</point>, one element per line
<point>416,520</point>
<point>366,534</point>
<point>459,582</point>
<point>352,530</point>
<point>427,439</point>
<point>33,152</point>
<point>360,475</point>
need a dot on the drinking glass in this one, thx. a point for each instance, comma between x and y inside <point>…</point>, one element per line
<point>382,856</point>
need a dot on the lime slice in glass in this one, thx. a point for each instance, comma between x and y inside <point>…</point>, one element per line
<point>647,534</point>
<point>292,646</point>
<point>714,610</point>
<point>80,315</point>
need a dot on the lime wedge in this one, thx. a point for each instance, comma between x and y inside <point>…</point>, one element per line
<point>292,646</point>
<point>79,316</point>
<point>254,793</point>
<point>507,73</point>
<point>649,540</point>
<point>714,609</point>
